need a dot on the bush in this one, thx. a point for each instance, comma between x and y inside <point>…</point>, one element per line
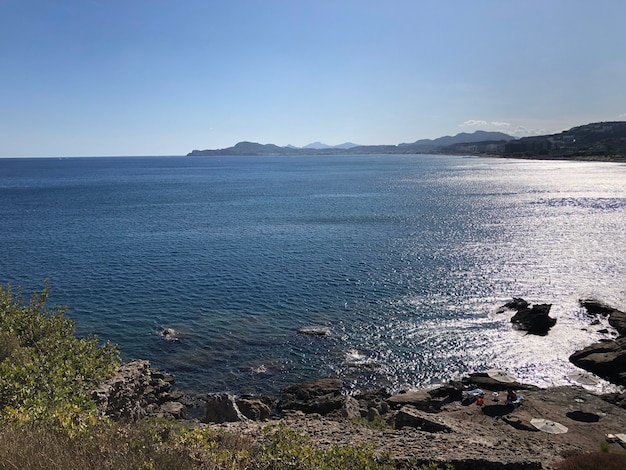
<point>45,371</point>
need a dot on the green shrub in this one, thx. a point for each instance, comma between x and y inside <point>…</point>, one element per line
<point>47,372</point>
<point>289,449</point>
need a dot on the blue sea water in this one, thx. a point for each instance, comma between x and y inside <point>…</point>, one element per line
<point>404,258</point>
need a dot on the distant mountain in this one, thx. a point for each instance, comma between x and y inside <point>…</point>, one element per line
<point>317,148</point>
<point>461,138</point>
<point>347,145</point>
<point>603,140</point>
<point>321,146</point>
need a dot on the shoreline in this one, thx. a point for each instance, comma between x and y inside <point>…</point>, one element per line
<point>440,424</point>
<point>437,425</point>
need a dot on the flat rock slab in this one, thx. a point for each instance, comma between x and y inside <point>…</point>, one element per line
<point>409,416</point>
<point>416,398</point>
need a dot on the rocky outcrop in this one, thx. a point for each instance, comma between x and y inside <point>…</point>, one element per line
<point>222,408</point>
<point>137,391</point>
<point>482,380</point>
<point>422,400</point>
<point>532,319</point>
<point>254,407</point>
<point>606,359</point>
<point>321,396</point>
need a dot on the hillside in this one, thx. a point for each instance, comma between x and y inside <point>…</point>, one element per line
<point>597,141</point>
<point>602,140</point>
<point>317,148</point>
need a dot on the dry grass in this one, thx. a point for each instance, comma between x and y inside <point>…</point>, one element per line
<point>129,447</point>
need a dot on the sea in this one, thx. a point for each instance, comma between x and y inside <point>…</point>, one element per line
<point>209,266</point>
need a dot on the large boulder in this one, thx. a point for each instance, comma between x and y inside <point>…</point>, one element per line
<point>321,396</point>
<point>606,359</point>
<point>409,416</point>
<point>255,408</point>
<point>534,320</point>
<point>222,408</point>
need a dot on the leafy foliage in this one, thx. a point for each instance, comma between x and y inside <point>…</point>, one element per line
<point>45,371</point>
<point>288,449</point>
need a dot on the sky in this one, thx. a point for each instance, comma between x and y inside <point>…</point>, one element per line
<point>164,77</point>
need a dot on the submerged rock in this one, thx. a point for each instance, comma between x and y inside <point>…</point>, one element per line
<point>314,331</point>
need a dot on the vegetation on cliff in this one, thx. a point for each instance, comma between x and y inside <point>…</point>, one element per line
<point>45,371</point>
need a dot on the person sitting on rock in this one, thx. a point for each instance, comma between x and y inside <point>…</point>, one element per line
<point>511,396</point>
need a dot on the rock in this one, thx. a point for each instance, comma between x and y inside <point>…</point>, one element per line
<point>171,410</point>
<point>418,399</point>
<point>321,396</point>
<point>169,334</point>
<point>350,408</point>
<point>534,320</point>
<point>452,391</point>
<point>617,399</point>
<point>135,391</point>
<point>617,318</point>
<point>606,359</point>
<point>222,408</point>
<point>374,399</point>
<point>255,408</point>
<point>482,380</point>
<point>409,416</point>
<point>515,304</point>
<point>372,414</point>
<point>314,331</point>
<point>595,307</point>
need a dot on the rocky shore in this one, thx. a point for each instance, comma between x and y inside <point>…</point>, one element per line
<point>443,424</point>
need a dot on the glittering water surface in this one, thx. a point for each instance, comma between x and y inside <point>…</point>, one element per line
<point>403,258</point>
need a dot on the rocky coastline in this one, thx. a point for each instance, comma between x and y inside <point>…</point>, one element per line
<point>443,424</point>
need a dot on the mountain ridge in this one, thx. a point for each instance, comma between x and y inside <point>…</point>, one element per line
<point>254,148</point>
<point>594,141</point>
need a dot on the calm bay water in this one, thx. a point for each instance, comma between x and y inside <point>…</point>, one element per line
<point>403,258</point>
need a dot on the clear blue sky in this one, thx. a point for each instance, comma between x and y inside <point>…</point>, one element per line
<point>163,77</point>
